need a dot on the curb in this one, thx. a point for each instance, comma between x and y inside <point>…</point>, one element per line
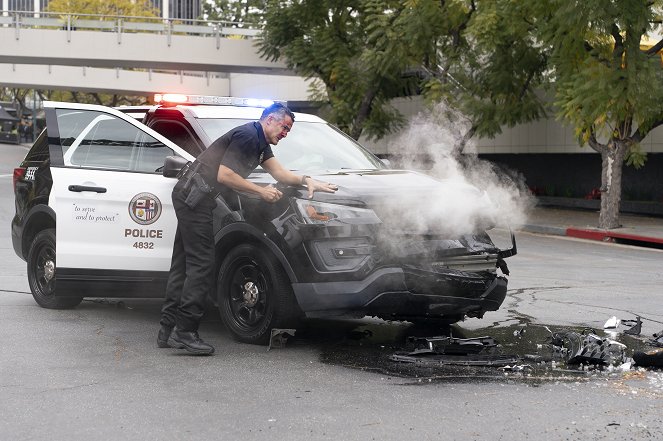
<point>611,236</point>
<point>595,234</point>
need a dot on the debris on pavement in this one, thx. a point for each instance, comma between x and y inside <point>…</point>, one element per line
<point>494,360</point>
<point>519,332</point>
<point>516,367</point>
<point>636,327</point>
<point>444,350</point>
<point>587,348</point>
<point>279,337</point>
<point>449,345</point>
<point>612,323</point>
<point>652,358</point>
<point>657,340</point>
<point>584,350</point>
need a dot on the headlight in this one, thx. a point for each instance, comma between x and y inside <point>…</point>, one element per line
<point>320,213</point>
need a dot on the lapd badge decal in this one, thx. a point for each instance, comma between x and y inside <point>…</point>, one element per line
<point>145,208</point>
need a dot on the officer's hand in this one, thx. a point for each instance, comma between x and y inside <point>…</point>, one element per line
<point>314,186</point>
<point>270,194</point>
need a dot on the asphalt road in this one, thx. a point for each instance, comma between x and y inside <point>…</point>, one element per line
<point>95,372</point>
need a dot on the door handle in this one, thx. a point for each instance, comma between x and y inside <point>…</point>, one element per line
<point>79,188</point>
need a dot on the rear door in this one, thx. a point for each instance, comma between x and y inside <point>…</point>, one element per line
<point>114,213</point>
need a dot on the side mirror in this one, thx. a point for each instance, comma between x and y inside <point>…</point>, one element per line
<point>386,162</point>
<point>173,165</point>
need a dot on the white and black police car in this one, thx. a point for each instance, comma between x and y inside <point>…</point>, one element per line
<point>94,218</point>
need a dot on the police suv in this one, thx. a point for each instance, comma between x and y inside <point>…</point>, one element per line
<point>94,218</point>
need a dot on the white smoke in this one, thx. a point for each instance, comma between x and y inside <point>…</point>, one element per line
<point>473,194</point>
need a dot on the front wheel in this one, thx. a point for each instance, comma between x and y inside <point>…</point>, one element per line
<point>41,273</point>
<point>254,294</point>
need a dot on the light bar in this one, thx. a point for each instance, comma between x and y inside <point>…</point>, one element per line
<point>175,98</point>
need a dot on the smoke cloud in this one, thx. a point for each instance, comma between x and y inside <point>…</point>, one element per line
<point>473,194</point>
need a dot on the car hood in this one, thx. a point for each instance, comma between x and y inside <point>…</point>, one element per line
<point>410,201</point>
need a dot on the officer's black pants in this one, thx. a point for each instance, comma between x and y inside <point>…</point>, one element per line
<point>192,264</point>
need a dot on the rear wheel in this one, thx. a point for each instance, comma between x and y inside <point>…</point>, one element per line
<point>41,273</point>
<point>254,294</point>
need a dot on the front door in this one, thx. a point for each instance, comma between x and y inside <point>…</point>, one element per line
<point>114,213</point>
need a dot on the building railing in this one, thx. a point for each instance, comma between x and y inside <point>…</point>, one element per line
<point>121,24</point>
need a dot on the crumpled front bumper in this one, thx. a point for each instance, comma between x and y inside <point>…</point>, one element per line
<point>405,292</point>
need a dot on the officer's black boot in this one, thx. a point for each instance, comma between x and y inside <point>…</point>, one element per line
<point>164,335</point>
<point>189,341</point>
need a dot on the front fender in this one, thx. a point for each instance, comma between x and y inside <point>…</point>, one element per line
<point>241,232</point>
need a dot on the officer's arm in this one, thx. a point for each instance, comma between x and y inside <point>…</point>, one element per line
<point>281,174</point>
<point>229,178</point>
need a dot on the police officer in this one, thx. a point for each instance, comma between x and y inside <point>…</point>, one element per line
<point>223,167</point>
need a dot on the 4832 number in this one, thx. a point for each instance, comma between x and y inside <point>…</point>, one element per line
<point>144,245</point>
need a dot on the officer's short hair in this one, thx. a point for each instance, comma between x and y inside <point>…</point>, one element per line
<point>279,111</point>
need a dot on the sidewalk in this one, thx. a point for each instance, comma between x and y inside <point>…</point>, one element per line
<point>635,230</point>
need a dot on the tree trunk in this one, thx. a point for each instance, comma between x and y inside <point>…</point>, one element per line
<point>364,111</point>
<point>611,184</point>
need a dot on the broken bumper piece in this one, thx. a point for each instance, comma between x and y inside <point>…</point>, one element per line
<point>494,360</point>
<point>449,345</point>
<point>439,351</point>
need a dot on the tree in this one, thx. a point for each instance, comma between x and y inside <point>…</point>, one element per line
<point>328,40</point>
<point>240,12</point>
<point>606,84</point>
<point>16,96</point>
<point>133,8</point>
<point>479,56</point>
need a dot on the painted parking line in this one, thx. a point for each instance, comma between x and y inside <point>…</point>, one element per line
<point>5,176</point>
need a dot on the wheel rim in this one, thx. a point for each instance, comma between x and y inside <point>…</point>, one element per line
<point>44,270</point>
<point>247,294</point>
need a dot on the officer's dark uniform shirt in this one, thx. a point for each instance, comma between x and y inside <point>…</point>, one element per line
<point>241,149</point>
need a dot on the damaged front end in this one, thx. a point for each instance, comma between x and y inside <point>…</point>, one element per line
<point>357,265</point>
<point>447,279</point>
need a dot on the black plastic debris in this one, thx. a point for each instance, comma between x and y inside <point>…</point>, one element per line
<point>440,351</point>
<point>449,345</point>
<point>653,358</point>
<point>657,340</point>
<point>279,337</point>
<point>494,360</point>
<point>586,348</point>
<point>636,326</point>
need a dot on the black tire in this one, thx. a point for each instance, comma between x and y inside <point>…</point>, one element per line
<point>41,273</point>
<point>254,294</point>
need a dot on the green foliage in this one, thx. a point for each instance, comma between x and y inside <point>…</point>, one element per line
<point>606,85</point>
<point>134,8</point>
<point>478,55</point>
<point>332,42</point>
<point>242,12</point>
<point>635,157</point>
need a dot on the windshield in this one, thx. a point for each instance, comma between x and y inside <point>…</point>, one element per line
<point>310,146</point>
